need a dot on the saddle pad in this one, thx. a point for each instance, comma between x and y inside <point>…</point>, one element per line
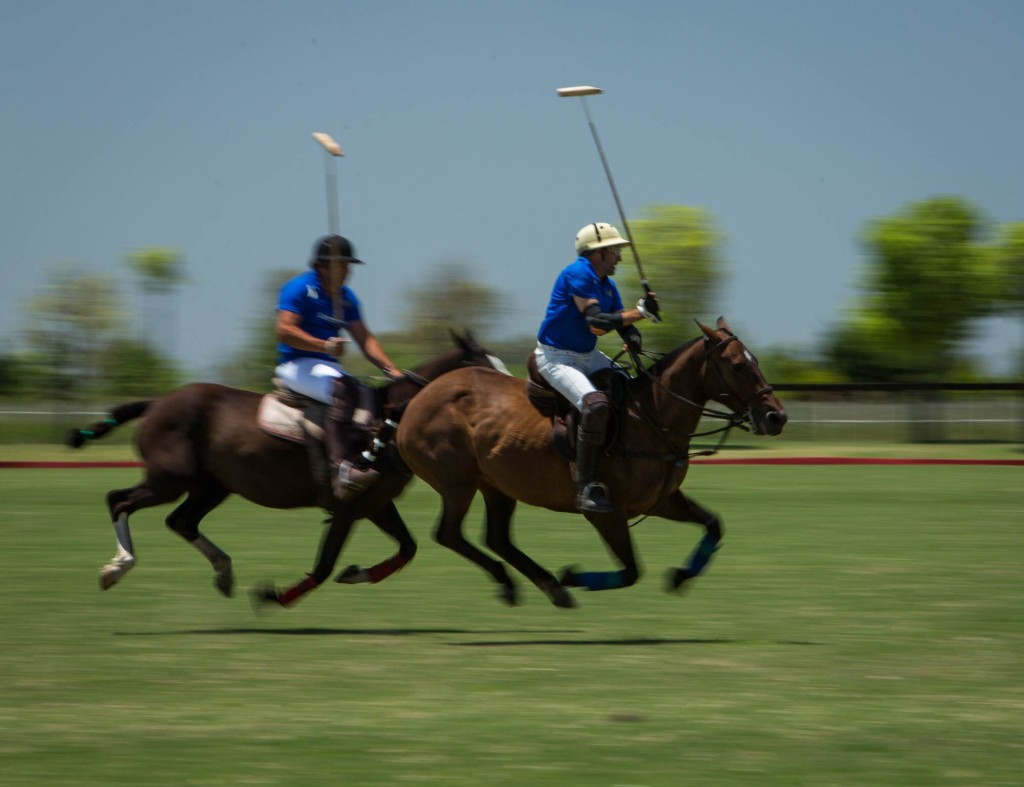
<point>280,420</point>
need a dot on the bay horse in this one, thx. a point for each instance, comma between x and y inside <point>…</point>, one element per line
<point>203,441</point>
<point>477,430</point>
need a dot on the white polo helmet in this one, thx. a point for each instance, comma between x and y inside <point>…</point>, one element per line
<point>597,236</point>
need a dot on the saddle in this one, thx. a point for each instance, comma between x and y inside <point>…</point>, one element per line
<point>292,416</point>
<point>564,416</point>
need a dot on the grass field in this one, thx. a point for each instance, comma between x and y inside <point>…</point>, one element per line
<point>861,625</point>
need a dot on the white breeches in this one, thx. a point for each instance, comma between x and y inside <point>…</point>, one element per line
<point>312,377</point>
<point>567,371</point>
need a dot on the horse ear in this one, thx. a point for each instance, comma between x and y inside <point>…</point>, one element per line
<point>709,332</point>
<point>724,326</point>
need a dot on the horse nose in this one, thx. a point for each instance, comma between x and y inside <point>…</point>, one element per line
<point>775,420</point>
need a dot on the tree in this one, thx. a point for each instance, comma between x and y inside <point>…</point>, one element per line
<point>253,366</point>
<point>680,251</point>
<point>929,277</point>
<point>69,325</point>
<point>159,271</point>
<point>132,369</point>
<point>1010,263</point>
<point>450,299</point>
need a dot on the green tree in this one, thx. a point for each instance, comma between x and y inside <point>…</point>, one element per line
<point>159,270</point>
<point>253,365</point>
<point>680,249</point>
<point>132,369</point>
<point>450,299</point>
<point>930,275</point>
<point>1010,262</point>
<point>69,325</point>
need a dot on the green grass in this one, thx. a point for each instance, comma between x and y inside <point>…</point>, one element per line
<point>861,625</point>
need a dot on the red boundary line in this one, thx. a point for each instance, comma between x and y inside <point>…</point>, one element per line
<point>772,460</point>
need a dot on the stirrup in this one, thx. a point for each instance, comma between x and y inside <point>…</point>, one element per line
<point>350,481</point>
<point>594,498</point>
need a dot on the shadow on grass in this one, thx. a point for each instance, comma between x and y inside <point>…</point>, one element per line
<point>560,641</point>
<point>633,641</point>
<point>310,632</point>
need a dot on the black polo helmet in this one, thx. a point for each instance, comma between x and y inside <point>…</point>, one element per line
<point>328,245</point>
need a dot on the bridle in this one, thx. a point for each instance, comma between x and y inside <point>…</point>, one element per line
<point>742,420</point>
<point>745,418</point>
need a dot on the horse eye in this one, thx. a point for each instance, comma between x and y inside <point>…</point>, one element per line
<point>738,366</point>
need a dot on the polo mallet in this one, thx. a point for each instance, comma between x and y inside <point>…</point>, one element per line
<point>332,152</point>
<point>581,92</point>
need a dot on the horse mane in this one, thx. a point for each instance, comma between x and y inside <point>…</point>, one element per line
<point>670,357</point>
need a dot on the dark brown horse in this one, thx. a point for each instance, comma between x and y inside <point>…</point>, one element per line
<point>203,441</point>
<point>475,429</point>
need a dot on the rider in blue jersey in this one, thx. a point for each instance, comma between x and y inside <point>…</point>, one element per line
<point>585,304</point>
<point>310,347</point>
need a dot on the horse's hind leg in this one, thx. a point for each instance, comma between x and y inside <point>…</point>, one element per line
<point>500,508</point>
<point>680,508</point>
<point>184,520</point>
<point>122,503</point>
<point>448,533</point>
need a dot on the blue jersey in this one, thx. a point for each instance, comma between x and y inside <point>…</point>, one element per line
<point>565,326</point>
<point>305,296</point>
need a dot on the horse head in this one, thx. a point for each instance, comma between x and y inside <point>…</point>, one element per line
<point>475,354</point>
<point>733,378</point>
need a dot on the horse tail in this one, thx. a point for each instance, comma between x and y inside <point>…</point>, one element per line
<point>121,414</point>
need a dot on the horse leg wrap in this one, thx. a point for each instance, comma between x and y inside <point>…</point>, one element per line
<point>600,580</point>
<point>295,592</point>
<point>702,555</point>
<point>125,550</point>
<point>386,568</point>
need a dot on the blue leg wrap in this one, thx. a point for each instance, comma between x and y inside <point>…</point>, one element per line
<point>702,555</point>
<point>600,580</point>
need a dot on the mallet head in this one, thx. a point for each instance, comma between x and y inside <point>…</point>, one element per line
<point>579,90</point>
<point>327,142</point>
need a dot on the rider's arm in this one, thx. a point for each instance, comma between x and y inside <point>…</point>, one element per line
<point>290,332</point>
<point>603,321</point>
<point>371,349</point>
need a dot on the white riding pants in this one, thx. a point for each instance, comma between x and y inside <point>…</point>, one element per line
<point>567,371</point>
<point>312,377</point>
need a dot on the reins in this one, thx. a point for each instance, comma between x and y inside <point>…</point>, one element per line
<point>732,420</point>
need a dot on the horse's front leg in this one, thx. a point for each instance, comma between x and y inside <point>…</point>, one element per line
<point>330,548</point>
<point>614,531</point>
<point>389,521</point>
<point>680,508</point>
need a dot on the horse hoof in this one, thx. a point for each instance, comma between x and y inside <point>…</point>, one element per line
<point>509,595</point>
<point>568,577</point>
<point>264,595</point>
<point>353,575</point>
<point>109,576</point>
<point>225,583</point>
<point>562,598</point>
<point>675,578</point>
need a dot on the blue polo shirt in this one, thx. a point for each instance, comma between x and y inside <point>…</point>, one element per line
<point>305,296</point>
<point>564,325</point>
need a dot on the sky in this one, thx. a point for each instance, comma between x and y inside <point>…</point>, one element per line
<point>794,123</point>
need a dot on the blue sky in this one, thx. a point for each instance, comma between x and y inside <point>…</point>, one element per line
<point>130,123</point>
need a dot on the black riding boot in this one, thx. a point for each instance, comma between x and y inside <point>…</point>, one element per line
<point>591,494</point>
<point>349,476</point>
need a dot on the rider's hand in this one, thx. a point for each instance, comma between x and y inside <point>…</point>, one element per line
<point>634,343</point>
<point>649,307</point>
<point>335,346</point>
<point>392,373</point>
